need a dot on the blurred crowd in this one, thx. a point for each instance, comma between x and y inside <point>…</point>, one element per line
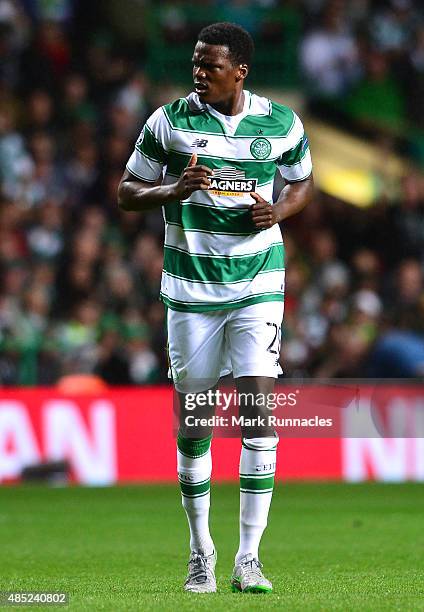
<point>359,61</point>
<point>80,279</point>
<point>363,61</point>
<point>355,288</point>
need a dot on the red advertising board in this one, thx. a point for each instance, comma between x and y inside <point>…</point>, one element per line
<point>126,435</point>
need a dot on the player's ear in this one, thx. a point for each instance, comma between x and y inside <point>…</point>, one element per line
<point>242,72</point>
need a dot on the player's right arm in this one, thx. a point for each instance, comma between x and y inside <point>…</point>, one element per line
<point>141,185</point>
<point>137,195</point>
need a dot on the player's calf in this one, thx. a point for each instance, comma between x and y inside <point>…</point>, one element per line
<point>257,470</point>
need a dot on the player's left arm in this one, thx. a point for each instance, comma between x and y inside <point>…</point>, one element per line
<point>295,166</point>
<point>292,199</point>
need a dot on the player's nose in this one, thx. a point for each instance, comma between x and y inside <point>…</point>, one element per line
<point>199,73</point>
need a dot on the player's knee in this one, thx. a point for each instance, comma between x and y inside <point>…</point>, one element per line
<point>265,443</point>
<point>194,466</point>
<point>193,456</point>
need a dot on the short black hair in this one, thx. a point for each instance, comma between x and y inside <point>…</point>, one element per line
<point>239,42</point>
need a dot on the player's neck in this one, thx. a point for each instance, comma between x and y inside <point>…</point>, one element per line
<point>234,106</point>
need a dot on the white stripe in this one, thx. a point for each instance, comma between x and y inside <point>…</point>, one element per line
<point>220,244</point>
<point>298,171</point>
<point>215,293</point>
<point>140,165</point>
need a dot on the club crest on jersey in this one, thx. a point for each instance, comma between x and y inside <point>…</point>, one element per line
<point>260,148</point>
<point>228,181</point>
<point>140,138</point>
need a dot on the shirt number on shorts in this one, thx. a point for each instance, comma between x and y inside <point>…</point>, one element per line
<point>275,343</point>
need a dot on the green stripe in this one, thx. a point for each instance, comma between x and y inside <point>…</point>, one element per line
<point>192,447</point>
<point>256,484</point>
<point>196,489</point>
<point>262,170</point>
<point>179,116</point>
<point>193,496</point>
<point>222,269</point>
<point>283,115</point>
<point>208,307</point>
<point>294,155</point>
<point>277,124</point>
<point>149,146</point>
<point>194,216</point>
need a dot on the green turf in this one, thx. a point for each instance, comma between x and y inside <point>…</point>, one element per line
<point>328,547</point>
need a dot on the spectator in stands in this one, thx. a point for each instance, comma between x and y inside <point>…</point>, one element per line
<point>329,54</point>
<point>377,100</point>
<point>366,269</point>
<point>77,337</point>
<point>143,363</point>
<point>46,236</point>
<point>415,78</point>
<point>398,353</point>
<point>393,25</point>
<point>409,218</point>
<point>409,287</point>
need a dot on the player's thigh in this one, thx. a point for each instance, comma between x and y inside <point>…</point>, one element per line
<point>196,342</point>
<point>254,336</point>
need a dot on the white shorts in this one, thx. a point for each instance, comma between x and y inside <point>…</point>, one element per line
<point>203,346</point>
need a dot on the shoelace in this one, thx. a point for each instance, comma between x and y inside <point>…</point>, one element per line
<point>252,568</point>
<point>198,569</point>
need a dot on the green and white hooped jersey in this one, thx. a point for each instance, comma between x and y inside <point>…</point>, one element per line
<point>214,256</point>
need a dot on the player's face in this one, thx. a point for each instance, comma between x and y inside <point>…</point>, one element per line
<point>216,79</point>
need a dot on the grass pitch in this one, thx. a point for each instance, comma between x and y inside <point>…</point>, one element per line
<point>328,547</point>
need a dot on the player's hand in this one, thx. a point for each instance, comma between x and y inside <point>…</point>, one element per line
<point>193,177</point>
<point>263,214</point>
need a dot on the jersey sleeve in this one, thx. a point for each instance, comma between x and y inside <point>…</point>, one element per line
<point>151,149</point>
<point>295,164</point>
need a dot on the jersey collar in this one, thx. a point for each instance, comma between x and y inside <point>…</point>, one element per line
<point>257,105</point>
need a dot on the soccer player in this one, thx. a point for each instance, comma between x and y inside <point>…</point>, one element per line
<point>209,160</point>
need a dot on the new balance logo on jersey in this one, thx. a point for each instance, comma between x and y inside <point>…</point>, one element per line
<point>231,182</point>
<point>200,143</point>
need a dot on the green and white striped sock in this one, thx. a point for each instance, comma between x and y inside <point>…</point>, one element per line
<point>194,464</point>
<point>257,469</point>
